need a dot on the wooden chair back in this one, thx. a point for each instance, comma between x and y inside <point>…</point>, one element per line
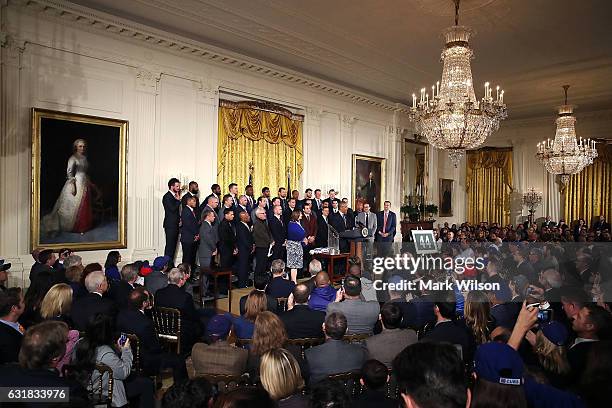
<point>306,343</point>
<point>167,323</point>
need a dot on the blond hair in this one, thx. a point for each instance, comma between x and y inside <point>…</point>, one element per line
<point>57,301</point>
<point>280,374</point>
<point>552,357</point>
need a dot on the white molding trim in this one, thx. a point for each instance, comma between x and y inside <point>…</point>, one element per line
<point>92,20</point>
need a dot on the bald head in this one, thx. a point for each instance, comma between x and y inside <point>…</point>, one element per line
<point>322,279</point>
<point>301,294</point>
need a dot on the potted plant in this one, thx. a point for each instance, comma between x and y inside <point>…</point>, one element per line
<point>431,209</point>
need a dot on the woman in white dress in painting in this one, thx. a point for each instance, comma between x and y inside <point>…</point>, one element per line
<point>72,211</point>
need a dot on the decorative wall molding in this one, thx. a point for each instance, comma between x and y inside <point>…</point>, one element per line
<point>148,81</point>
<point>102,22</point>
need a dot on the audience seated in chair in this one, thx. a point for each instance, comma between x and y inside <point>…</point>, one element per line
<point>334,356</point>
<point>323,293</point>
<point>12,306</point>
<point>374,377</point>
<point>255,304</point>
<point>43,347</point>
<point>392,340</point>
<point>134,320</point>
<point>281,376</point>
<point>174,296</point>
<point>217,356</point>
<point>94,302</point>
<point>260,283</point>
<point>361,316</point>
<point>99,345</point>
<point>120,289</point>
<point>300,321</point>
<point>279,286</point>
<point>194,393</point>
<point>158,278</point>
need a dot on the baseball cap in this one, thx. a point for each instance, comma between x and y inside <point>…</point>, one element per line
<point>160,262</point>
<point>4,266</point>
<point>219,326</point>
<point>498,363</point>
<point>555,332</point>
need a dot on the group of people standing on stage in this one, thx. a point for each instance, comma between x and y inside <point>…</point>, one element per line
<point>239,228</point>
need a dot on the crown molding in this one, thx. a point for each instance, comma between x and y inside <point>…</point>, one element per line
<point>93,20</point>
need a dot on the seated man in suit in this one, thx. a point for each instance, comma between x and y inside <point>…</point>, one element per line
<point>174,296</point>
<point>388,344</point>
<point>120,290</point>
<point>589,324</point>
<point>11,332</point>
<point>279,286</point>
<point>217,356</point>
<point>300,321</point>
<point>361,316</point>
<point>334,356</point>
<point>133,320</point>
<point>94,302</point>
<point>448,330</point>
<point>260,283</point>
<point>374,375</point>
<point>158,279</point>
<point>43,347</point>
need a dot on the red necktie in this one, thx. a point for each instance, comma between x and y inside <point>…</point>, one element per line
<point>385,223</point>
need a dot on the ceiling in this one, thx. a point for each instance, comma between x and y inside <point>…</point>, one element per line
<point>391,48</point>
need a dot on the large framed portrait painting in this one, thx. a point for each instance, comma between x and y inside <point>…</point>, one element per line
<point>368,185</point>
<point>446,198</point>
<point>78,181</point>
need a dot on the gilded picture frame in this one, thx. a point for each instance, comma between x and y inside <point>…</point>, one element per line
<point>445,192</point>
<point>79,181</point>
<point>368,188</point>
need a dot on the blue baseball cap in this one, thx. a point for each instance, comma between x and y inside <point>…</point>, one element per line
<point>498,363</point>
<point>160,262</point>
<point>555,332</point>
<point>219,326</point>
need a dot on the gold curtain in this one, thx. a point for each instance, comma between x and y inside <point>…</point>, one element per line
<point>489,185</point>
<point>263,134</point>
<point>589,193</point>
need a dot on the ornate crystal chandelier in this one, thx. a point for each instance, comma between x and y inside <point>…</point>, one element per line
<point>451,118</point>
<point>566,155</point>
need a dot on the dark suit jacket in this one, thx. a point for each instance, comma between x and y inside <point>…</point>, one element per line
<point>262,237</point>
<point>38,269</point>
<point>302,322</point>
<point>244,239</point>
<point>372,398</point>
<point>119,292</point>
<point>339,224</point>
<point>10,343</point>
<point>197,207</point>
<point>316,208</point>
<point>237,210</point>
<point>171,210</point>
<point>322,231</point>
<point>390,227</point>
<point>389,343</point>
<point>190,226</point>
<point>156,280</point>
<point>287,215</point>
<point>333,357</point>
<point>219,358</point>
<point>227,237</point>
<point>329,203</point>
<point>454,332</point>
<point>87,306</point>
<point>175,297</point>
<point>133,321</point>
<point>278,230</point>
<point>279,287</point>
